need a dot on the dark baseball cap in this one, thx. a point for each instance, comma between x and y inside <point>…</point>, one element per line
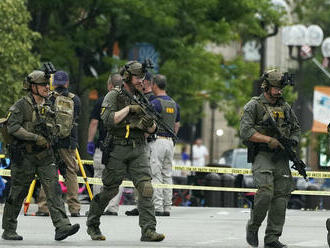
<point>61,78</point>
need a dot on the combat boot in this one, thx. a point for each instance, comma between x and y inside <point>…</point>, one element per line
<point>66,231</point>
<point>95,233</point>
<point>152,236</point>
<point>252,237</point>
<point>275,244</point>
<point>328,228</point>
<point>11,235</point>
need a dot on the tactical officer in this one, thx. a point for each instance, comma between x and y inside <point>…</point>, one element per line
<point>95,125</point>
<point>66,148</point>
<point>147,92</point>
<point>162,148</point>
<point>126,124</point>
<point>31,154</point>
<point>270,166</point>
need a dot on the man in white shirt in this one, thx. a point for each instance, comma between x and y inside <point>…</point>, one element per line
<point>200,153</point>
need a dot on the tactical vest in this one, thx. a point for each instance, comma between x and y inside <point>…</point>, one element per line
<point>168,115</point>
<point>123,129</point>
<point>64,113</point>
<point>31,117</point>
<point>281,116</point>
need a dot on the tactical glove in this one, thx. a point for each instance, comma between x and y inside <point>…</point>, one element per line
<point>135,109</point>
<point>147,121</point>
<point>91,148</point>
<point>41,141</point>
<point>274,143</point>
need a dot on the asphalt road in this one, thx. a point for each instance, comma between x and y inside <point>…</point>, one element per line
<point>187,227</point>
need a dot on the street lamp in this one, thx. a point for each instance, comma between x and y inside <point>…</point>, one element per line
<point>297,37</point>
<point>325,48</point>
<point>302,43</point>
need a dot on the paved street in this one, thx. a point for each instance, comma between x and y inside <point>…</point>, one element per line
<point>186,227</point>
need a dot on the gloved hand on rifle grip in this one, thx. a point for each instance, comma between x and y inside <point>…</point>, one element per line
<point>290,142</point>
<point>135,109</point>
<point>274,143</point>
<point>147,121</point>
<point>41,141</point>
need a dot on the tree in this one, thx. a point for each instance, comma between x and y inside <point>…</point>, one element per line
<point>78,36</point>
<point>16,57</point>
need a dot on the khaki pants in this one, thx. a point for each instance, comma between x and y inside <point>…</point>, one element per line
<point>162,152</point>
<point>68,155</point>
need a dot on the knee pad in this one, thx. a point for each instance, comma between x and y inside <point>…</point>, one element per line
<point>145,189</point>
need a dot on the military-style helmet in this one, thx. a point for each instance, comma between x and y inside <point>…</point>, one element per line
<point>132,68</point>
<point>272,78</point>
<point>35,77</point>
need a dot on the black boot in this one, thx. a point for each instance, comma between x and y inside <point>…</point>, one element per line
<point>328,228</point>
<point>275,244</point>
<point>11,235</point>
<point>133,212</point>
<point>66,231</point>
<point>252,237</point>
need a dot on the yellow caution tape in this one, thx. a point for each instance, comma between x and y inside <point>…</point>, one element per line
<point>314,174</point>
<point>2,156</point>
<point>129,184</point>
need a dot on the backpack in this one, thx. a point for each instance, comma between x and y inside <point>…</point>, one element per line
<point>64,114</point>
<point>7,138</point>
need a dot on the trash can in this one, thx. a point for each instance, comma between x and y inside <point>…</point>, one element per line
<point>228,197</point>
<point>213,198</point>
<point>312,201</point>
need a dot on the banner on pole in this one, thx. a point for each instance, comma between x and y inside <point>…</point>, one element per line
<point>321,109</point>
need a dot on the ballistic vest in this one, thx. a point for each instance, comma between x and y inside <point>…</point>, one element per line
<point>123,129</point>
<point>280,113</point>
<point>168,114</point>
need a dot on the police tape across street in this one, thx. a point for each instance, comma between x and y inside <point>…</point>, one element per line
<point>98,181</point>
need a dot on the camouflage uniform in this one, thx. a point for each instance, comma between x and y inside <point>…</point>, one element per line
<point>272,178</point>
<point>128,156</point>
<point>30,159</point>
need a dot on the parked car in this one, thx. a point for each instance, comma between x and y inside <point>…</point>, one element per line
<point>236,158</point>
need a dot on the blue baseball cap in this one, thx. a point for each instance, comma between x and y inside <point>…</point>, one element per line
<point>61,78</point>
<point>148,76</point>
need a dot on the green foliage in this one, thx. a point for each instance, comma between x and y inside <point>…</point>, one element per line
<point>16,59</point>
<point>239,78</point>
<point>79,35</point>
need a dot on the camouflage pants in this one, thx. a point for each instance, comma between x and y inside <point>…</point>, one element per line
<point>132,161</point>
<point>68,156</point>
<point>22,174</point>
<point>274,183</point>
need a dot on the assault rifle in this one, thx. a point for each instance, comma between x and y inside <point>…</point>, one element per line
<point>298,164</point>
<point>149,110</point>
<point>50,133</point>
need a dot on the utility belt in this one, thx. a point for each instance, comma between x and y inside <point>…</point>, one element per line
<point>129,141</point>
<point>262,147</point>
<point>32,148</point>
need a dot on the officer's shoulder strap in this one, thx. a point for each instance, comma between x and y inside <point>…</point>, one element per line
<point>256,98</point>
<point>71,95</point>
